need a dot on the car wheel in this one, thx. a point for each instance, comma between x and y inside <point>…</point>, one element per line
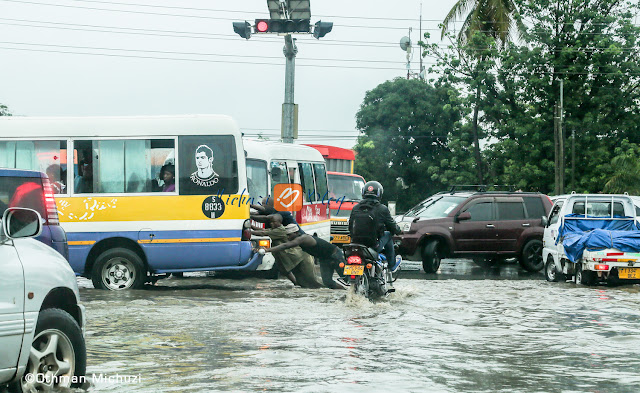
<point>584,277</point>
<point>531,256</point>
<point>431,257</point>
<point>58,354</point>
<point>551,273</point>
<point>118,268</point>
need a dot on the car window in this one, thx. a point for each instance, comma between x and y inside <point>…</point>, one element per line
<point>438,208</point>
<point>22,192</point>
<point>535,208</point>
<point>481,211</point>
<point>555,211</point>
<point>510,210</point>
<point>598,209</point>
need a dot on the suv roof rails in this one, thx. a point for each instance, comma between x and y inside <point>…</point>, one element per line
<point>480,187</point>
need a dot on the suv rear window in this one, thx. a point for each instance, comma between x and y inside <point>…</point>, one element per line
<point>22,192</point>
<point>436,208</point>
<point>535,208</point>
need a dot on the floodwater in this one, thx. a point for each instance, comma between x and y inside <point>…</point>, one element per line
<point>467,329</point>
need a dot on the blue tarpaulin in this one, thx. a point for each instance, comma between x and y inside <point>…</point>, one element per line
<point>578,235</point>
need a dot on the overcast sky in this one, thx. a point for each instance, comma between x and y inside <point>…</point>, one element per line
<point>120,57</point>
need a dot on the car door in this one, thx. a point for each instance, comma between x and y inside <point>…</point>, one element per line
<point>479,233</point>
<point>510,223</point>
<point>11,306</point>
<point>551,231</point>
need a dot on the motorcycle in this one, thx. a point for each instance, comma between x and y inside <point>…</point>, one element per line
<point>367,271</point>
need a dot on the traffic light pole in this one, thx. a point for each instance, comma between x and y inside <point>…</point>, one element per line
<point>288,108</point>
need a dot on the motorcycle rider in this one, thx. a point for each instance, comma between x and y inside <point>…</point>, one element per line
<point>371,223</point>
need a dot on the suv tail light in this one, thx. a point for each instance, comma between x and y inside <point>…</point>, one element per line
<point>50,209</point>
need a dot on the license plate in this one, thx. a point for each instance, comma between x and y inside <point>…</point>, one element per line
<point>341,239</point>
<point>629,273</point>
<point>354,270</point>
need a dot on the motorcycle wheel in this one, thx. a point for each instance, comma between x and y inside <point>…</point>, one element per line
<point>361,286</point>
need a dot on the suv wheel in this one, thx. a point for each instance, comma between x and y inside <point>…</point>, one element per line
<point>58,353</point>
<point>431,257</point>
<point>531,256</point>
<point>550,271</point>
<point>118,268</point>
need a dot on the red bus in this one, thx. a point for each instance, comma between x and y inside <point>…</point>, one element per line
<point>345,189</point>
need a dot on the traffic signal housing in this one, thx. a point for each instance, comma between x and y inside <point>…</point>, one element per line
<point>282,26</point>
<point>322,28</point>
<point>243,29</point>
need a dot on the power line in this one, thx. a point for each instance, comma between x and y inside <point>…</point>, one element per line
<point>198,53</point>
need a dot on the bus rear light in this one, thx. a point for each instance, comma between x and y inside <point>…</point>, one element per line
<point>601,267</point>
<point>264,243</point>
<point>354,260</point>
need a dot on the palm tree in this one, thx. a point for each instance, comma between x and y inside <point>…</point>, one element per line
<point>496,18</point>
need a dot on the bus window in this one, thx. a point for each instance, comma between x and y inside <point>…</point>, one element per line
<point>257,179</point>
<point>321,181</point>
<point>49,157</point>
<point>207,165</point>
<point>119,166</point>
<point>279,173</point>
<point>306,179</point>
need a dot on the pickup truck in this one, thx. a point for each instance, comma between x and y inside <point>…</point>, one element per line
<point>592,238</point>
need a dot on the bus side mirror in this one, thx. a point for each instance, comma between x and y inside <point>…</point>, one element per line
<point>545,221</point>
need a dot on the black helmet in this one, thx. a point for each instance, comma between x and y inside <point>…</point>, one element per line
<point>372,189</point>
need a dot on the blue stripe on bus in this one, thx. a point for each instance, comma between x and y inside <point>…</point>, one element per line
<point>164,257</point>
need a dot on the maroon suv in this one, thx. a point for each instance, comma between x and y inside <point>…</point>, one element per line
<point>475,224</point>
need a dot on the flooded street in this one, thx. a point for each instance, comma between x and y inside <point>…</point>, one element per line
<point>467,329</point>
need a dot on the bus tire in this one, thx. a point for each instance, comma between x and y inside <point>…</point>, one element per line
<point>118,268</point>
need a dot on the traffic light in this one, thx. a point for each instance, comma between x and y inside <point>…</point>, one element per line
<point>243,29</point>
<point>322,28</point>
<point>282,26</point>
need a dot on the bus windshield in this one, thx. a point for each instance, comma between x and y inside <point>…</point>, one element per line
<point>349,187</point>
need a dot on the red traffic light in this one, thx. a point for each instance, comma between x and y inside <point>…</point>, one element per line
<point>262,26</point>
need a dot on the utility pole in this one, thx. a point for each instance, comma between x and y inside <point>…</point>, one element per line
<point>289,125</point>
<point>420,39</point>
<point>558,139</point>
<point>286,17</point>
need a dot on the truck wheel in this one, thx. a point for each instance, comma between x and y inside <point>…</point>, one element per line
<point>551,273</point>
<point>431,257</point>
<point>58,351</point>
<point>118,268</point>
<point>531,256</point>
<point>584,277</point>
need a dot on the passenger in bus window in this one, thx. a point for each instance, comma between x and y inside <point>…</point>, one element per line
<point>84,181</point>
<point>168,173</point>
<point>54,173</point>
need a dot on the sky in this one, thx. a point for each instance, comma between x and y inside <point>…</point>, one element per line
<point>169,57</point>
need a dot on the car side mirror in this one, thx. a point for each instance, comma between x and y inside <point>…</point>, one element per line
<point>463,216</point>
<point>20,222</point>
<point>545,221</point>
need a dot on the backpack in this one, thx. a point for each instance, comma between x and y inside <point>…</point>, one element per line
<point>362,226</point>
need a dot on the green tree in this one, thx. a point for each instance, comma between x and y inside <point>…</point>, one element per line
<point>626,170</point>
<point>4,111</point>
<point>412,140</point>
<point>494,18</point>
<point>593,47</point>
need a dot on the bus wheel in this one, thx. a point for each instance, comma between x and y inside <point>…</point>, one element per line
<point>118,268</point>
